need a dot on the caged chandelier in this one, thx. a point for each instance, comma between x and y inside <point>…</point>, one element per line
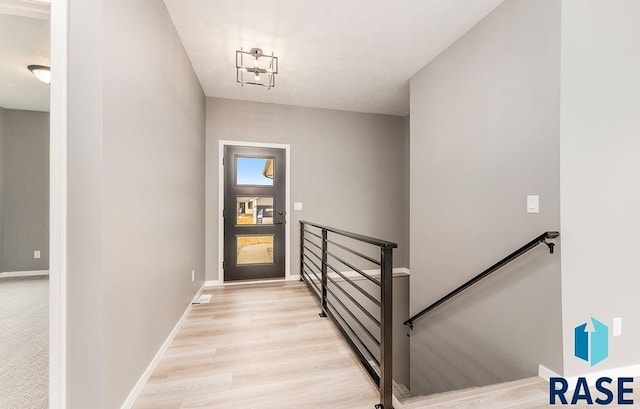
<point>255,68</point>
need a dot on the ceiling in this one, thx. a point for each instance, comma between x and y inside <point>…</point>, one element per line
<point>23,41</point>
<point>354,55</point>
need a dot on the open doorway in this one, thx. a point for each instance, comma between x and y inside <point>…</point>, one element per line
<point>24,203</point>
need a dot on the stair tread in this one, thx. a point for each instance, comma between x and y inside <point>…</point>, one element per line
<point>526,390</point>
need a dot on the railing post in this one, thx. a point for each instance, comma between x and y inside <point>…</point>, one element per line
<point>386,329</point>
<point>324,273</point>
<point>301,250</point>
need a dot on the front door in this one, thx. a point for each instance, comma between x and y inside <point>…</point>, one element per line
<point>254,213</point>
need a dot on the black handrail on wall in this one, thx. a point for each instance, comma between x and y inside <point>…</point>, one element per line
<point>365,324</point>
<point>511,257</point>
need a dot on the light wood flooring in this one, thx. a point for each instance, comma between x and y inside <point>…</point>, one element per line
<point>258,346</point>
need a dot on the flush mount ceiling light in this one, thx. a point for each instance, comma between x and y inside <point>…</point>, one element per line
<point>43,73</point>
<point>255,68</point>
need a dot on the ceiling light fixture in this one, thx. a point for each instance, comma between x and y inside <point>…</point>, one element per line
<point>255,68</point>
<point>43,73</point>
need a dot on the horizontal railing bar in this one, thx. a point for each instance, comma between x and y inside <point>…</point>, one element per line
<point>315,244</point>
<point>313,234</point>
<point>309,270</point>
<point>315,289</point>
<point>344,307</point>
<point>355,236</point>
<point>511,257</point>
<point>357,270</point>
<point>309,281</point>
<point>311,252</point>
<point>364,292</point>
<point>353,300</point>
<point>312,262</point>
<point>336,313</point>
<point>363,360</point>
<point>364,256</point>
<point>312,272</point>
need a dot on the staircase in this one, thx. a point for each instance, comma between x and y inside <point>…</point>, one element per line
<point>521,394</point>
<point>526,393</point>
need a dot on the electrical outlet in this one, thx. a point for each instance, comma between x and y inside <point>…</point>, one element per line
<point>36,254</point>
<point>193,275</point>
<point>617,327</point>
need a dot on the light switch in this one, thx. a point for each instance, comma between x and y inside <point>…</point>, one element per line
<point>297,205</point>
<point>36,254</point>
<point>533,204</point>
<point>617,327</point>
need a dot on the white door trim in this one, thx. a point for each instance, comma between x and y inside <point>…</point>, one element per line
<point>287,230</point>
<point>58,207</point>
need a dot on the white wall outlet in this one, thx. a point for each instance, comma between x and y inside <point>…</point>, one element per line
<point>193,275</point>
<point>297,205</point>
<point>617,327</point>
<point>36,254</point>
<point>533,204</point>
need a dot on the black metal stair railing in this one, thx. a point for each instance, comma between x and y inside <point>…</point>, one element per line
<point>358,300</point>
<point>541,239</point>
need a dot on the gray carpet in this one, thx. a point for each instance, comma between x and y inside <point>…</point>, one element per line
<point>24,343</point>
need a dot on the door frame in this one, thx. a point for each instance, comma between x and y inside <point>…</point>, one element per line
<point>58,206</point>
<point>287,231</point>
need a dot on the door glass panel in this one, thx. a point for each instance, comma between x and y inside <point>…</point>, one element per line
<point>254,249</point>
<point>254,210</point>
<point>254,171</point>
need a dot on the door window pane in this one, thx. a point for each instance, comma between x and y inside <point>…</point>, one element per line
<point>254,249</point>
<point>254,171</point>
<point>254,210</point>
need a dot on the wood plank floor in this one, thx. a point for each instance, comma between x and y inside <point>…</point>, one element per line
<point>258,346</point>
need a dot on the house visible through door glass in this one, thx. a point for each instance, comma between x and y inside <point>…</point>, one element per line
<point>254,210</point>
<point>254,171</point>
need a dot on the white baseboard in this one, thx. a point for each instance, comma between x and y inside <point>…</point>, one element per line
<point>546,373</point>
<point>213,283</point>
<point>218,283</point>
<point>7,274</point>
<point>401,271</point>
<point>354,275</point>
<point>137,389</point>
<point>632,371</point>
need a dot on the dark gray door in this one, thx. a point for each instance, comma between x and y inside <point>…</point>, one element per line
<point>254,213</point>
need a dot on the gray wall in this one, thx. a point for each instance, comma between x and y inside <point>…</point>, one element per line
<point>154,167</point>
<point>136,193</point>
<point>599,185</point>
<point>25,190</point>
<point>484,134</point>
<point>347,168</point>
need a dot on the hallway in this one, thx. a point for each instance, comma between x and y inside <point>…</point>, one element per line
<point>258,346</point>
